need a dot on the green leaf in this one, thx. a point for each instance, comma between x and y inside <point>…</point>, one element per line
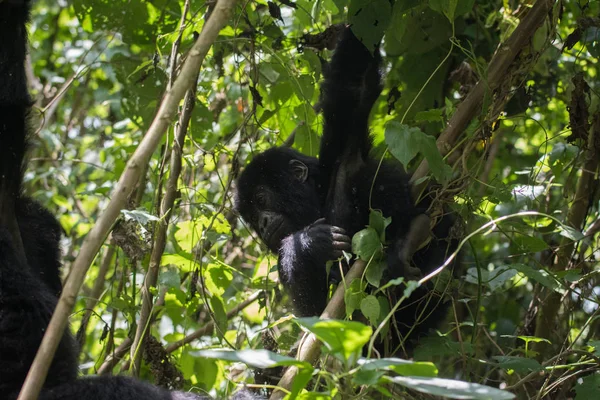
<point>406,142</point>
<point>570,233</point>
<point>452,389</point>
<point>217,278</point>
<point>367,377</point>
<point>538,275</point>
<point>433,115</point>
<point>494,279</point>
<point>596,345</point>
<point>589,387</point>
<point>183,261</point>
<point>188,233</point>
<point>366,244</point>
<point>530,243</point>
<point>378,222</point>
<point>301,379</point>
<point>369,19</point>
<point>416,30</point>
<point>452,8</point>
<point>62,201</point>
<point>253,358</point>
<point>218,309</point>
<point>440,346</point>
<point>342,338</point>
<point>306,140</point>
<point>403,141</point>
<point>354,295</point>
<point>400,366</point>
<point>520,365</point>
<point>369,306</point>
<point>305,88</point>
<point>374,272</point>
<point>169,277</point>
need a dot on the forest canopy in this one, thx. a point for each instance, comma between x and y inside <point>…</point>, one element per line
<point>146,112</point>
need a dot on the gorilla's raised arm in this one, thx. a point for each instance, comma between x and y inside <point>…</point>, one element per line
<point>352,85</point>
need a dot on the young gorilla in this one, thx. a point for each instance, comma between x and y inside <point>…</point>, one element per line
<point>307,209</point>
<point>29,253</point>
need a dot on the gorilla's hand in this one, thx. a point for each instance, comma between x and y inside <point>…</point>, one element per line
<point>327,241</point>
<point>302,259</point>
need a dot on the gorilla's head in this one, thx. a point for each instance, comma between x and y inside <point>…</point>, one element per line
<point>278,194</point>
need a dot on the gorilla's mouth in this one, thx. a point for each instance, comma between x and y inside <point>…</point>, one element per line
<point>273,232</point>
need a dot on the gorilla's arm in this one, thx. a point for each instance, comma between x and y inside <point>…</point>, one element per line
<point>302,259</point>
<point>352,85</point>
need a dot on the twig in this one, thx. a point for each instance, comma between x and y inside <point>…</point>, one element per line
<point>125,186</point>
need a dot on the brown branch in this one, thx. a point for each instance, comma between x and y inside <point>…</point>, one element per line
<point>141,156</point>
<point>97,290</point>
<point>496,74</point>
<point>310,347</point>
<point>115,357</point>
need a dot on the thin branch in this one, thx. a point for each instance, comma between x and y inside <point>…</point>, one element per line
<point>97,290</point>
<point>206,329</point>
<point>93,241</point>
<point>115,357</point>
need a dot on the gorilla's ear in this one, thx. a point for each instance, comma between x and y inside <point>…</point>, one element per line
<point>299,169</point>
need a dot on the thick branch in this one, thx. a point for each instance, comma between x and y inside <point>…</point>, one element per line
<point>93,241</point>
<point>496,74</point>
<point>310,347</point>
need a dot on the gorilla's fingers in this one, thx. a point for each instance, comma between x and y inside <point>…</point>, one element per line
<point>337,229</point>
<point>318,222</point>
<point>342,240</point>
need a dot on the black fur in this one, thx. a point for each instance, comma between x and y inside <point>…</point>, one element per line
<point>307,209</point>
<point>30,254</point>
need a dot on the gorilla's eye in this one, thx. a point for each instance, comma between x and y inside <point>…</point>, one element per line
<point>260,200</point>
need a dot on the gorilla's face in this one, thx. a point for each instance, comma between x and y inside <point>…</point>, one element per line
<point>277,194</point>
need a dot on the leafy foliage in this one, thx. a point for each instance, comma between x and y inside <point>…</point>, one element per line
<point>524,297</point>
